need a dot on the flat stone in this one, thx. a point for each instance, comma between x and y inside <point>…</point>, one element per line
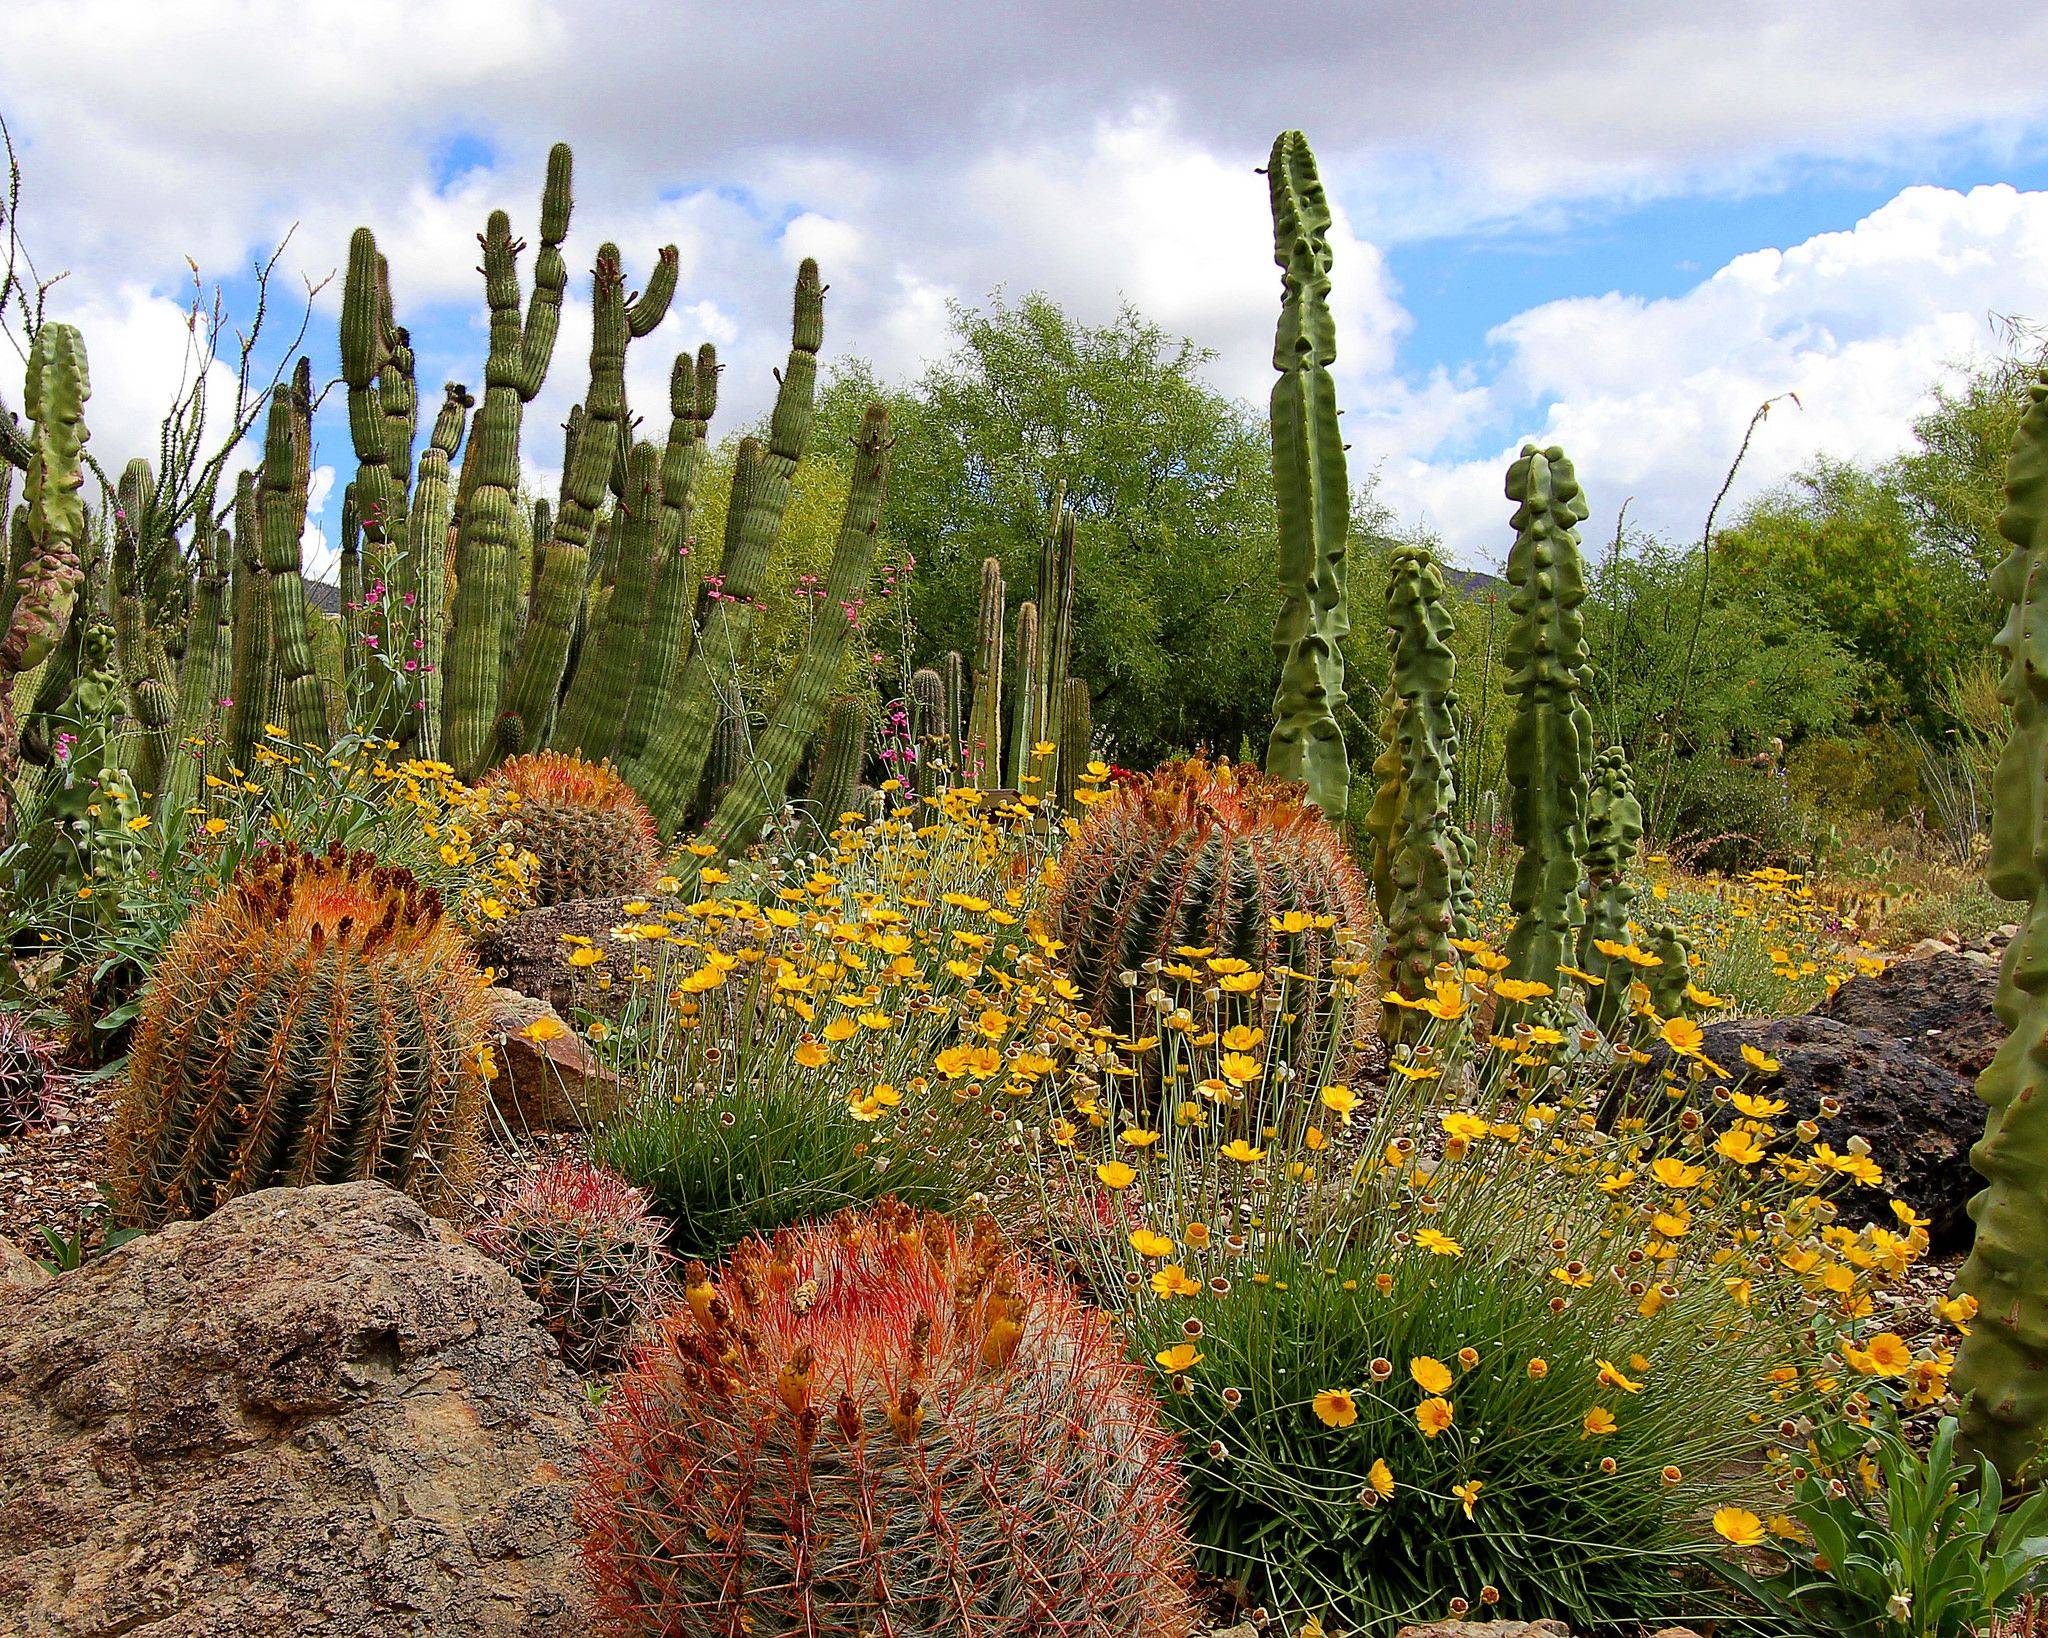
<point>549,1079</point>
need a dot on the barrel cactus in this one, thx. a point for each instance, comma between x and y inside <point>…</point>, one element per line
<point>27,1075</point>
<point>586,1248</point>
<point>1229,860</point>
<point>590,836</point>
<point>318,1021</point>
<point>884,1424</point>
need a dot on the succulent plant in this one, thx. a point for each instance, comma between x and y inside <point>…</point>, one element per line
<point>590,836</point>
<point>317,1021</point>
<point>28,1072</point>
<point>884,1424</point>
<point>587,1249</point>
<point>1214,856</point>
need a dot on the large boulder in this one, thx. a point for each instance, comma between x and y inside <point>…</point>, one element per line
<point>318,1412</point>
<point>1917,1114</point>
<point>1939,1005</point>
<point>549,1079</point>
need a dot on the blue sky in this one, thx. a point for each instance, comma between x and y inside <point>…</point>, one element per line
<point>1622,234</point>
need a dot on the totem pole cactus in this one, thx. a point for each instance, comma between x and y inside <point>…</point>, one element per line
<point>1311,494</point>
<point>1416,858</point>
<point>1670,981</point>
<point>1550,738</point>
<point>983,750</point>
<point>1614,825</point>
<point>2002,1366</point>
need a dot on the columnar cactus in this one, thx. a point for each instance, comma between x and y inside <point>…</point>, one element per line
<point>1215,856</point>
<point>1614,826</point>
<point>1311,494</point>
<point>1024,700</point>
<point>586,1248</point>
<point>931,742</point>
<point>590,836</point>
<point>319,1021</point>
<point>1077,733</point>
<point>1416,858</point>
<point>885,1424</point>
<point>835,779</point>
<point>2002,1366</point>
<point>983,750</point>
<point>1549,741</point>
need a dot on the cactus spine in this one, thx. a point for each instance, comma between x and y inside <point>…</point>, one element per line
<point>984,745</point>
<point>319,1021</point>
<point>1417,860</point>
<point>1550,738</point>
<point>1311,494</point>
<point>1614,825</point>
<point>2002,1366</point>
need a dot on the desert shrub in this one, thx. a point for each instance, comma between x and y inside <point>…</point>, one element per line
<point>1471,1348</point>
<point>585,1247</point>
<point>1736,817</point>
<point>884,1424</point>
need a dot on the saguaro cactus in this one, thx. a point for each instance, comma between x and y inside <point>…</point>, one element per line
<point>1550,738</point>
<point>1416,857</point>
<point>1614,825</point>
<point>2003,1364</point>
<point>1311,494</point>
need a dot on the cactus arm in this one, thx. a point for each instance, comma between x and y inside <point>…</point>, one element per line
<point>800,705</point>
<point>2002,1366</point>
<point>982,753</point>
<point>1545,753</point>
<point>647,309</point>
<point>58,385</point>
<point>668,774</point>
<point>1311,493</point>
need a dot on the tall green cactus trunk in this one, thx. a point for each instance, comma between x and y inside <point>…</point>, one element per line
<point>1549,742</point>
<point>983,749</point>
<point>836,777</point>
<point>1024,700</point>
<point>204,680</point>
<point>1614,825</point>
<point>2002,1366</point>
<point>1311,493</point>
<point>421,620</point>
<point>930,743</point>
<point>1077,731</point>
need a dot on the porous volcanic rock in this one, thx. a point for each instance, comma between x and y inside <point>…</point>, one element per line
<point>318,1412</point>
<point>1939,1005</point>
<point>530,953</point>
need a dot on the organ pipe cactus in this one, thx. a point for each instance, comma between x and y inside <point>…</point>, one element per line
<point>983,751</point>
<point>1311,494</point>
<point>1077,730</point>
<point>1416,857</point>
<point>2002,1366</point>
<point>933,745</point>
<point>1549,740</point>
<point>1614,826</point>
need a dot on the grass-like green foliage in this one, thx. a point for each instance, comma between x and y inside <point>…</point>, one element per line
<point>885,1424</point>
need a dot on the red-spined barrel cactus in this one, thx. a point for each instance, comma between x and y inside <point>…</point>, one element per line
<point>27,1075</point>
<point>584,1245</point>
<point>1207,856</point>
<point>318,1021</point>
<point>882,1424</point>
<point>591,836</point>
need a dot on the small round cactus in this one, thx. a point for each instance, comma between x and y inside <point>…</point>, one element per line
<point>591,836</point>
<point>318,1021</point>
<point>27,1076</point>
<point>584,1245</point>
<point>884,1424</point>
<point>1224,859</point>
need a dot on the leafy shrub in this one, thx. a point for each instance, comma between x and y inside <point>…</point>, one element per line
<point>584,1247</point>
<point>1734,817</point>
<point>881,1424</point>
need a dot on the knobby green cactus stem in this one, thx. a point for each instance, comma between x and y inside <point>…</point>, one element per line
<point>1549,741</point>
<point>2002,1366</point>
<point>1670,981</point>
<point>1614,826</point>
<point>801,703</point>
<point>983,750</point>
<point>1416,856</point>
<point>487,523</point>
<point>1311,494</point>
<point>57,387</point>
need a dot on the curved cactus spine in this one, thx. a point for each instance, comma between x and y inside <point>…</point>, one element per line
<point>1548,741</point>
<point>800,704</point>
<point>928,738</point>
<point>1614,825</point>
<point>841,756</point>
<point>983,749</point>
<point>2002,1366</point>
<point>1417,860</point>
<point>484,608</point>
<point>1024,700</point>
<point>1311,494</point>
<point>693,396</point>
<point>670,770</point>
<point>1077,731</point>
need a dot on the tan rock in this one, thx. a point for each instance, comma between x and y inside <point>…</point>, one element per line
<point>18,1270</point>
<point>549,1079</point>
<point>318,1412</point>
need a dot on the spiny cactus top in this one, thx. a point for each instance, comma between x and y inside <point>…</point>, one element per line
<point>319,1021</point>
<point>589,834</point>
<point>885,1424</point>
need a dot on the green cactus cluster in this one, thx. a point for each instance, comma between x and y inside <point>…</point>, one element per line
<point>318,1021</point>
<point>1614,828</point>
